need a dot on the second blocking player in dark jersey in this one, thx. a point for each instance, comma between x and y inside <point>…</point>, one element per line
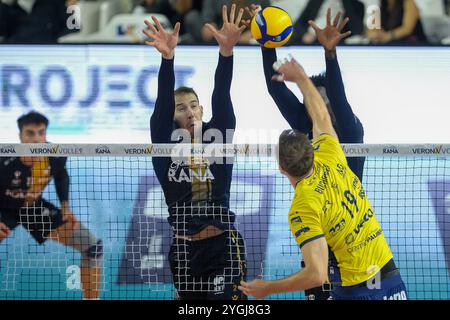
<point>331,88</point>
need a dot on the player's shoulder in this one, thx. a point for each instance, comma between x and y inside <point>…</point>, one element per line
<point>324,139</point>
<point>304,195</point>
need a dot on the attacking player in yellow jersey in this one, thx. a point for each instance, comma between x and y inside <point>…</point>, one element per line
<point>330,214</point>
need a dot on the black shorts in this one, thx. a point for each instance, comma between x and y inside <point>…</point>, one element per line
<point>209,269</point>
<point>39,219</point>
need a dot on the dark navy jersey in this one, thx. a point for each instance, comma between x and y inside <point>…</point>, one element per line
<point>197,189</point>
<point>17,179</point>
<point>348,127</point>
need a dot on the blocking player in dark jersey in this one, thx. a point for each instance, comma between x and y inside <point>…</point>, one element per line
<point>207,255</point>
<point>330,213</point>
<point>331,87</point>
<point>22,181</point>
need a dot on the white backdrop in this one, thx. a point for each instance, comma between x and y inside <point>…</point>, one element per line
<point>400,94</point>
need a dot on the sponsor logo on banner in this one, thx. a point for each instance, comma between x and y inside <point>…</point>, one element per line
<point>7,150</point>
<point>350,150</point>
<point>113,84</point>
<point>390,150</point>
<point>147,151</point>
<point>102,150</point>
<point>436,150</point>
<point>57,149</point>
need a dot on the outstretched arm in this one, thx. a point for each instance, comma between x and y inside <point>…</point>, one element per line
<point>329,38</point>
<point>292,110</point>
<point>317,110</point>
<point>165,42</point>
<point>222,108</point>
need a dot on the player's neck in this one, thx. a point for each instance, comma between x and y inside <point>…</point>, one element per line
<point>296,180</point>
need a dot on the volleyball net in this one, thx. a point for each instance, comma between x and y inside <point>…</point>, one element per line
<point>116,196</point>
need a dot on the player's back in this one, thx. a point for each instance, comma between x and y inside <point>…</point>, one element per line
<point>332,203</point>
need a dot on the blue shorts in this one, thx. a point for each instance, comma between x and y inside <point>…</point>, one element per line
<point>389,289</point>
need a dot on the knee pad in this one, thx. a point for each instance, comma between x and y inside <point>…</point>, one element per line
<point>88,245</point>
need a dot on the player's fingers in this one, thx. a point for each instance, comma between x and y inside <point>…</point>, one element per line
<point>343,23</point>
<point>176,29</point>
<point>277,65</point>
<point>151,26</point>
<point>158,24</point>
<point>336,19</point>
<point>278,77</point>
<point>329,17</point>
<point>345,35</point>
<point>314,26</point>
<point>150,43</point>
<point>211,28</point>
<point>149,34</point>
<point>239,17</point>
<point>232,12</point>
<point>224,14</point>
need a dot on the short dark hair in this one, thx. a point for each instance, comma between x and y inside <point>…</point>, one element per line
<point>319,80</point>
<point>295,153</point>
<point>186,90</point>
<point>32,117</point>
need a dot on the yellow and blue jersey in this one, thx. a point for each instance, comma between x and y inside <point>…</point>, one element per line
<point>18,179</point>
<point>331,203</point>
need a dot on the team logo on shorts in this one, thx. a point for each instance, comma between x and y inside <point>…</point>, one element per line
<point>219,284</point>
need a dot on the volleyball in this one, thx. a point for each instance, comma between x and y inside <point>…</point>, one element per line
<point>271,27</point>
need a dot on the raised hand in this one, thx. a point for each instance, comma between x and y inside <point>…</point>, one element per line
<point>257,288</point>
<point>4,231</point>
<point>229,35</point>
<point>251,11</point>
<point>331,35</point>
<point>165,42</point>
<point>288,70</point>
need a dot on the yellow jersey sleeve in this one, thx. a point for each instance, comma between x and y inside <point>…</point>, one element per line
<point>327,148</point>
<point>305,223</point>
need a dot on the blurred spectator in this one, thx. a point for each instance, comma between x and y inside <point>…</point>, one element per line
<point>400,23</point>
<point>316,10</point>
<point>188,12</point>
<point>155,6</point>
<point>34,21</point>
